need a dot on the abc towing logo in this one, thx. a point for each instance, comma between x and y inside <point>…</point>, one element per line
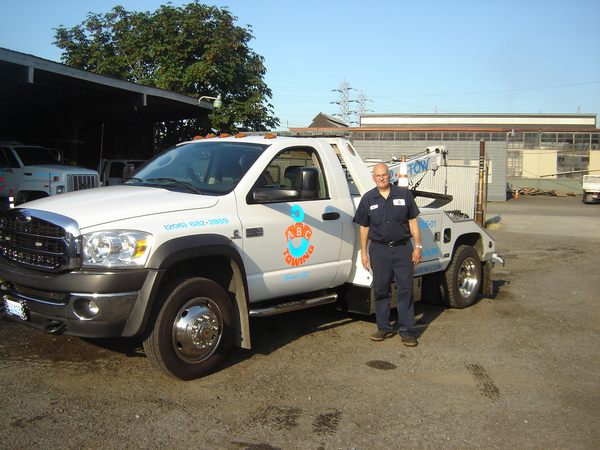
<point>299,233</point>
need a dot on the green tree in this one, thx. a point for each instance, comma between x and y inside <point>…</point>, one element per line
<point>194,49</point>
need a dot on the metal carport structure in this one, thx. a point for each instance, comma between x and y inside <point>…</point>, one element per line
<point>85,114</point>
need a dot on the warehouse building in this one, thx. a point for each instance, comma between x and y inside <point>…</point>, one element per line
<point>544,151</point>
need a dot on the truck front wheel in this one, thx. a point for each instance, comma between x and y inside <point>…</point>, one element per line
<point>462,279</point>
<point>193,329</point>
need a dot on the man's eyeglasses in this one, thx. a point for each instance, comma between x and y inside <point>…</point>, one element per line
<point>385,175</point>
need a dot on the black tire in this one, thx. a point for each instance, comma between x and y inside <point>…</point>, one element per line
<point>193,330</point>
<point>462,279</point>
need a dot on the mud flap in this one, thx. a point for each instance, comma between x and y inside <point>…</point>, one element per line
<point>487,286</point>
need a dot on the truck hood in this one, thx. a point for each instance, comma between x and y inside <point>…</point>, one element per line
<point>108,204</point>
<point>43,169</point>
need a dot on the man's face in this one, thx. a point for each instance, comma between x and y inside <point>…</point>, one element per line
<point>381,175</point>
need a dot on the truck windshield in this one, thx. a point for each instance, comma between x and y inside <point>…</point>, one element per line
<point>207,167</point>
<point>31,156</point>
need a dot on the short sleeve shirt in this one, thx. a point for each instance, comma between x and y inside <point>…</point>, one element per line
<point>387,219</point>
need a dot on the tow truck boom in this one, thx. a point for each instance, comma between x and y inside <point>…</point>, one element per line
<point>403,171</point>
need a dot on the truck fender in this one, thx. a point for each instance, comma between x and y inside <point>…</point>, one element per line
<point>177,251</point>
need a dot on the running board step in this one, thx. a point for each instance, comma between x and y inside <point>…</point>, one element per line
<point>296,305</point>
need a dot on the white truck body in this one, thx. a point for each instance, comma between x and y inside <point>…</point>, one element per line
<point>29,172</point>
<point>591,188</point>
<point>209,234</point>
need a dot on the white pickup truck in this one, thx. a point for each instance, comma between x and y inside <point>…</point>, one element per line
<point>591,188</point>
<point>29,172</point>
<point>209,234</point>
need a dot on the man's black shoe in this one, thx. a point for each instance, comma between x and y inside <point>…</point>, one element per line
<point>409,340</point>
<point>380,335</point>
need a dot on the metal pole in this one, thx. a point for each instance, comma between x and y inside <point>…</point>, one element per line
<point>479,208</point>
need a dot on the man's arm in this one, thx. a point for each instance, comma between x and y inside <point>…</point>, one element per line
<point>364,237</point>
<point>413,224</point>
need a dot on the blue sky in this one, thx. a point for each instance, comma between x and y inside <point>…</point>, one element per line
<point>425,56</point>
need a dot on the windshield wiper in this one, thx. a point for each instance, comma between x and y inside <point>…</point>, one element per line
<point>177,182</point>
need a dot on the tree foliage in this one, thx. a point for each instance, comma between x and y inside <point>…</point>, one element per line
<point>194,49</point>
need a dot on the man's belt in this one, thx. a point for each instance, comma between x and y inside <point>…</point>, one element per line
<point>392,243</point>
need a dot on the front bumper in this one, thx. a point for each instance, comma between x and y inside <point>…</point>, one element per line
<point>85,304</point>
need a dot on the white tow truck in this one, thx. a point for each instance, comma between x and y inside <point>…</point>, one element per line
<point>209,234</point>
<point>29,172</point>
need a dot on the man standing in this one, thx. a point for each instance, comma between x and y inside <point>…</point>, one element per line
<point>387,215</point>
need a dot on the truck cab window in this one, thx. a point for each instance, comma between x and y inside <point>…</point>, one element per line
<point>286,171</point>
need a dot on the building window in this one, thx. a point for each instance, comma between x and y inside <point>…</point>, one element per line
<point>582,141</point>
<point>570,163</point>
<point>514,163</point>
<point>565,138</point>
<point>595,141</point>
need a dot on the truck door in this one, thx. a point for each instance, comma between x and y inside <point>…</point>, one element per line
<point>10,172</point>
<point>291,246</point>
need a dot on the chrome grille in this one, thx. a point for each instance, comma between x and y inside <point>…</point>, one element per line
<point>35,243</point>
<point>80,182</point>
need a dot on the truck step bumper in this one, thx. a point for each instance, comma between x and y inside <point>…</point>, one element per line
<point>296,305</point>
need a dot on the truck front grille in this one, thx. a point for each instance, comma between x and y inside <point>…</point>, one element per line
<point>35,243</point>
<point>80,182</point>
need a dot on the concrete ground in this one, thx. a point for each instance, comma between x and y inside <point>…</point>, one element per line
<point>519,370</point>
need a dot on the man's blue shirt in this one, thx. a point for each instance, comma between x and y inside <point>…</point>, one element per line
<point>387,219</point>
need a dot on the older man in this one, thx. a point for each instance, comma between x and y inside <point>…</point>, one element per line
<point>387,215</point>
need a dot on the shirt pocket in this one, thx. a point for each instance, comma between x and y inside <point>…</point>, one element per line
<point>398,214</point>
<point>376,216</point>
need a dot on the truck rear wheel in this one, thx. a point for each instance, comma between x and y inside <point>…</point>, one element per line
<point>193,329</point>
<point>462,280</point>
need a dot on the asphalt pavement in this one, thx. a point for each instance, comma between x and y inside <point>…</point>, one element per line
<point>517,370</point>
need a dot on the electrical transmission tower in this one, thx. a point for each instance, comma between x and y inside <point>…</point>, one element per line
<point>350,116</point>
<point>362,106</point>
<point>344,101</point>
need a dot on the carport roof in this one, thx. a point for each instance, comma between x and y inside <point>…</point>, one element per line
<point>27,81</point>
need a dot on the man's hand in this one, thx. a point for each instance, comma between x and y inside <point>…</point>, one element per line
<point>416,256</point>
<point>365,261</point>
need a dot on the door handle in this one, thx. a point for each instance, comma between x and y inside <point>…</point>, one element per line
<point>331,216</point>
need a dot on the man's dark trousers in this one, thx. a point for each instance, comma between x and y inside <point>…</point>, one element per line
<point>393,263</point>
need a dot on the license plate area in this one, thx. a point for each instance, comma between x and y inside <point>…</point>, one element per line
<point>15,308</point>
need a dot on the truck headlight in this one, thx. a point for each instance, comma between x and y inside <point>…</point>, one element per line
<point>116,248</point>
<point>60,189</point>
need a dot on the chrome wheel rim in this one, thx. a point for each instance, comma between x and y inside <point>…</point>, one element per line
<point>197,330</point>
<point>468,278</point>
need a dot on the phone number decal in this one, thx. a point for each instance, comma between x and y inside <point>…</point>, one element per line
<point>196,223</point>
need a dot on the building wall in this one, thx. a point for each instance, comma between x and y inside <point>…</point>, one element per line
<point>594,160</point>
<point>539,163</point>
<point>466,151</point>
